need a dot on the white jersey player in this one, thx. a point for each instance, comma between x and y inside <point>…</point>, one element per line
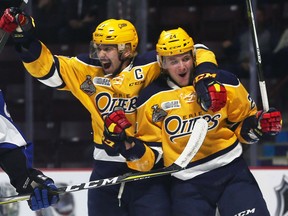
<point>15,161</point>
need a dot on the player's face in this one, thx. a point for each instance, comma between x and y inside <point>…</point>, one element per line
<point>109,58</point>
<point>179,68</point>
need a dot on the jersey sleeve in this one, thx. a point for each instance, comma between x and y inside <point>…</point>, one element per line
<point>10,135</point>
<point>240,108</point>
<point>141,157</point>
<point>204,55</point>
<point>149,134</point>
<point>55,71</point>
<point>14,162</point>
<point>13,146</point>
<point>43,65</point>
<point>205,60</point>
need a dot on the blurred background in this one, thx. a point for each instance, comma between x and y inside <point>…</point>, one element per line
<point>59,125</point>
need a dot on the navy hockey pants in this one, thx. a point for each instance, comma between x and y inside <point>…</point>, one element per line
<point>232,188</point>
<point>140,198</point>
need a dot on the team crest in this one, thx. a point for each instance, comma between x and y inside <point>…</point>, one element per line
<point>118,80</point>
<point>189,98</point>
<point>87,86</point>
<point>158,113</point>
<point>282,197</point>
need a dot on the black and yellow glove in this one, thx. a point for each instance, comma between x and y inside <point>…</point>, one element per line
<point>211,94</point>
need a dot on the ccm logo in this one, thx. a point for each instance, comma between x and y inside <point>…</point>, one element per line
<point>204,76</point>
<point>246,212</point>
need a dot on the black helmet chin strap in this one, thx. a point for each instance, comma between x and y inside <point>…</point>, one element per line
<point>122,60</point>
<point>191,77</point>
<point>118,70</point>
<point>167,77</point>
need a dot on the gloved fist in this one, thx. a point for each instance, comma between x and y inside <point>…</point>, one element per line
<point>211,94</point>
<point>269,122</point>
<point>44,192</point>
<point>114,131</point>
<point>11,18</point>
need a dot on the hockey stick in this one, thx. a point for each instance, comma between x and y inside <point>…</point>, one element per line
<point>257,53</point>
<point>195,141</point>
<point>6,35</point>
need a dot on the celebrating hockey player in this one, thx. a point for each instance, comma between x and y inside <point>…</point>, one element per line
<point>15,162</point>
<point>167,110</point>
<point>111,75</point>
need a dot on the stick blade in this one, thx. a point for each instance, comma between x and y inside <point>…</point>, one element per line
<point>194,143</point>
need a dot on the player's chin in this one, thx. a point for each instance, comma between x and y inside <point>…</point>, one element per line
<point>183,84</point>
<point>108,70</point>
<point>183,81</point>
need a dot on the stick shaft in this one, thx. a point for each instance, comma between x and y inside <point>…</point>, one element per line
<point>262,84</point>
<point>195,141</point>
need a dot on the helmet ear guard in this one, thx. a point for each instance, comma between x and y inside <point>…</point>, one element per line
<point>121,47</point>
<point>161,61</point>
<point>126,51</point>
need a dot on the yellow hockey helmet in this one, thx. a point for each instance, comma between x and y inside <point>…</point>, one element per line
<point>174,42</point>
<point>118,32</point>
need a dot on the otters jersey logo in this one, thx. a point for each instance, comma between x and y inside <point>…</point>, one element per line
<point>105,102</point>
<point>176,127</point>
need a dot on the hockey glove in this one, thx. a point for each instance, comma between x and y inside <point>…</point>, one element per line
<point>10,19</point>
<point>262,125</point>
<point>211,94</point>
<point>42,188</point>
<point>16,22</point>
<point>114,132</point>
<point>269,122</point>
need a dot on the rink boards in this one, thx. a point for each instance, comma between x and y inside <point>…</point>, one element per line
<point>272,181</point>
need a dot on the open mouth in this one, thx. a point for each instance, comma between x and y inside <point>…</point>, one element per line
<point>106,65</point>
<point>182,75</point>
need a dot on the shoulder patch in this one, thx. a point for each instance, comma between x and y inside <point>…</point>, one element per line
<point>158,114</point>
<point>88,87</point>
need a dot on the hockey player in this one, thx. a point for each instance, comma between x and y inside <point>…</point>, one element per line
<point>167,110</point>
<point>17,165</point>
<point>112,75</point>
